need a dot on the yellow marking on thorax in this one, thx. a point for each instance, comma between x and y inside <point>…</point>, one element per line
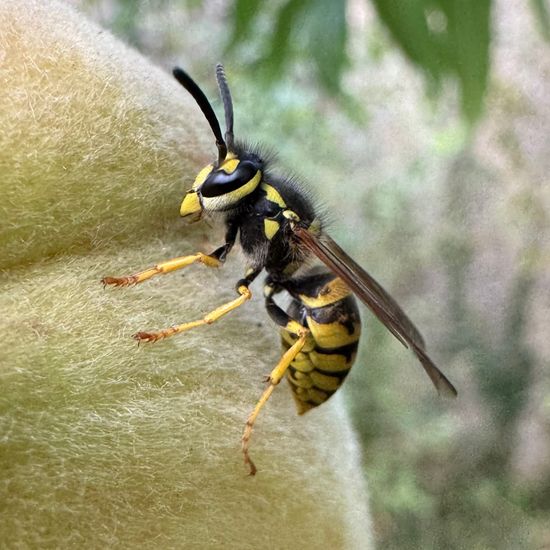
<point>333,335</point>
<point>332,292</point>
<point>271,227</point>
<point>291,215</point>
<point>273,195</point>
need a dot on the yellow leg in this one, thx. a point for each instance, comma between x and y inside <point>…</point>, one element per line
<point>162,268</point>
<point>274,378</point>
<point>208,319</point>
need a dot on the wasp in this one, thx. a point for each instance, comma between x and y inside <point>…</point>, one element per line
<point>280,232</point>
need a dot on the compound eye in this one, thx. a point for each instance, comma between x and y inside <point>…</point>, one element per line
<point>219,182</point>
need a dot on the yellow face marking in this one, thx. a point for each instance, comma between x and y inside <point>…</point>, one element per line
<point>273,195</point>
<point>332,292</point>
<point>229,166</point>
<point>270,228</point>
<point>333,335</point>
<point>233,197</point>
<point>190,204</point>
<point>202,175</point>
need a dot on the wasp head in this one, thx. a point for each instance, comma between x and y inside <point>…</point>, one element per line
<point>236,174</point>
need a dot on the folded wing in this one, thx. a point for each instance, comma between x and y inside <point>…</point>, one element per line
<point>371,293</point>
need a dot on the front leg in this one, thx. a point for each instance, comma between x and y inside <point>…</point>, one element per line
<point>209,260</point>
<point>214,259</point>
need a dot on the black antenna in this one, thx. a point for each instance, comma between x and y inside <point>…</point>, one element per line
<point>198,95</point>
<point>227,104</point>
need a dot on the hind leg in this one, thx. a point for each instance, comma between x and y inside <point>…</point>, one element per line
<point>274,378</point>
<point>282,319</point>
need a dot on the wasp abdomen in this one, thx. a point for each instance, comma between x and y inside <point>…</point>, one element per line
<point>324,362</point>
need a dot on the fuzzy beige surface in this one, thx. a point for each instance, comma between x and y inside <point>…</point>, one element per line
<point>104,444</point>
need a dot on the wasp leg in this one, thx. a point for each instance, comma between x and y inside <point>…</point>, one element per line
<point>215,259</point>
<point>209,260</point>
<point>274,378</point>
<point>209,318</point>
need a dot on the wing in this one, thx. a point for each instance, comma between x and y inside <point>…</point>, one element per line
<point>371,293</point>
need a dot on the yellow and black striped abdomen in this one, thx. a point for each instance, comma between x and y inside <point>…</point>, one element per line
<point>324,362</point>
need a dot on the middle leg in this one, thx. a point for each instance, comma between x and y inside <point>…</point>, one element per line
<point>209,318</point>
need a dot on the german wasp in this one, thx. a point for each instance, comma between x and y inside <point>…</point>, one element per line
<point>280,232</point>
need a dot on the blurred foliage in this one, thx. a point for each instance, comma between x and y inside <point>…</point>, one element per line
<point>540,8</point>
<point>456,220</point>
<point>440,36</point>
<point>315,29</point>
<point>444,37</point>
<point>124,20</point>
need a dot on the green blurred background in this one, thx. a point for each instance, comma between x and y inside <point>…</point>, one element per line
<point>423,129</point>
